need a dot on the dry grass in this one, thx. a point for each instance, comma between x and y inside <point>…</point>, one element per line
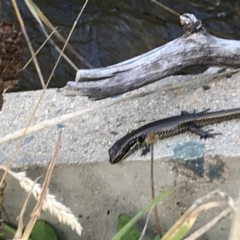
<point>45,200</point>
<point>48,201</point>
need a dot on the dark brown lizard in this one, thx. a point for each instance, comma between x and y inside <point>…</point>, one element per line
<point>168,127</point>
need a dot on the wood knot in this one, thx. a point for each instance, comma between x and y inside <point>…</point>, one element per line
<point>190,24</point>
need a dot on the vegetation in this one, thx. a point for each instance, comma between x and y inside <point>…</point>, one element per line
<point>39,230</point>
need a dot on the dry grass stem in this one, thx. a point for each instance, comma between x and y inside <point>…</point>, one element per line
<point>47,179</point>
<point>42,93</point>
<point>146,223</point>
<point>229,200</point>
<point>34,13</point>
<point>38,14</point>
<point>54,121</point>
<point>235,230</point>
<point>193,82</point>
<point>105,232</point>
<point>69,36</point>
<point>152,138</point>
<point>28,42</point>
<point>56,208</point>
<point>187,219</point>
<point>201,204</point>
<point>166,8</point>
<point>2,187</point>
<point>64,214</point>
<point>18,234</point>
<point>210,224</point>
<point>39,49</point>
<point>34,110</point>
<point>57,120</point>
<point>38,208</point>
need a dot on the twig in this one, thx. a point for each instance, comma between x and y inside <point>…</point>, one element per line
<point>157,221</point>
<point>28,42</point>
<point>151,140</point>
<point>38,208</point>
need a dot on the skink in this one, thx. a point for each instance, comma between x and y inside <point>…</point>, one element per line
<point>168,127</point>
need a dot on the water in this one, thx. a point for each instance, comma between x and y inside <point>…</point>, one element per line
<point>113,31</point>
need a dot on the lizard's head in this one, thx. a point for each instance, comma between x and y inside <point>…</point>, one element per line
<point>122,149</point>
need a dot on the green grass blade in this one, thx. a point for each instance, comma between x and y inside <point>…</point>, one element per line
<point>133,233</point>
<point>135,219</point>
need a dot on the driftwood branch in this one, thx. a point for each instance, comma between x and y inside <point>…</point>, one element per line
<point>195,47</point>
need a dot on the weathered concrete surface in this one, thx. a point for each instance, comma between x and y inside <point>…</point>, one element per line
<point>88,137</point>
<point>99,192</point>
<point>90,186</point>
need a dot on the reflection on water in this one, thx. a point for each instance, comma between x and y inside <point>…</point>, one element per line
<point>112,31</point>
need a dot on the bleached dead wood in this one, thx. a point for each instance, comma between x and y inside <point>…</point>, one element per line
<point>195,47</point>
